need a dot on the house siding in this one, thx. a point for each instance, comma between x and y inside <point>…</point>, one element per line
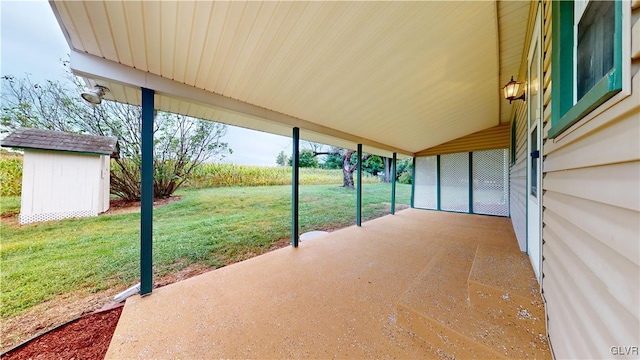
<point>591,222</point>
<point>493,138</point>
<point>518,180</point>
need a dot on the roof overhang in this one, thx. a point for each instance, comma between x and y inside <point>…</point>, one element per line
<point>393,76</point>
<point>124,83</point>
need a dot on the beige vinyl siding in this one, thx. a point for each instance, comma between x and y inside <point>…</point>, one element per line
<point>493,138</point>
<point>518,179</point>
<point>591,225</point>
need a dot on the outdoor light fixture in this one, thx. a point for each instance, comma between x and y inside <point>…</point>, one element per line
<point>94,96</point>
<point>511,91</point>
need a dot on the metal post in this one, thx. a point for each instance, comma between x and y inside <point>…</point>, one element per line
<point>438,192</point>
<point>146,199</point>
<point>359,188</point>
<point>295,194</point>
<point>413,179</point>
<point>393,184</point>
<point>470,183</point>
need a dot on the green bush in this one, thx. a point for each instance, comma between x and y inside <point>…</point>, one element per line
<point>404,170</point>
<point>10,174</point>
<point>405,177</point>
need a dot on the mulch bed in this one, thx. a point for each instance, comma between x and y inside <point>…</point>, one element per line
<point>85,338</point>
<point>121,206</point>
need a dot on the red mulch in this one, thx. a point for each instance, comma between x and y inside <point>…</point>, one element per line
<point>121,206</point>
<point>85,338</point>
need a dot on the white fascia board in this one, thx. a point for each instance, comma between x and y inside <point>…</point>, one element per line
<point>93,67</point>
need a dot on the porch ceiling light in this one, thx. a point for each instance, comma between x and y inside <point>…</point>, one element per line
<point>94,96</point>
<point>511,91</point>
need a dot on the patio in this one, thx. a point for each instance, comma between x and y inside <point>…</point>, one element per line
<point>420,284</point>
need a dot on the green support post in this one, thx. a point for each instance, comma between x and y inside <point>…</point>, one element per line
<point>146,199</point>
<point>359,188</point>
<point>413,179</point>
<point>393,184</point>
<point>470,183</point>
<point>295,193</point>
<point>438,192</point>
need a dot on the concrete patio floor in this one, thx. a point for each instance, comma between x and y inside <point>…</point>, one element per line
<point>420,284</point>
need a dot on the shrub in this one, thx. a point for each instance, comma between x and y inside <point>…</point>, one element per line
<point>405,177</point>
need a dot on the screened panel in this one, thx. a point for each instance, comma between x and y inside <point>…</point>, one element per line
<point>454,182</point>
<point>491,182</point>
<point>426,182</point>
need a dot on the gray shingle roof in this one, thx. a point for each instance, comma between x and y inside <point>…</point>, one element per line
<point>25,138</point>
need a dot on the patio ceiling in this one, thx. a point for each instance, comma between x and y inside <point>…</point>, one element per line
<point>394,76</point>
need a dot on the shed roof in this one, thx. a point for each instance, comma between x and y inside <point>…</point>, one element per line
<point>25,138</point>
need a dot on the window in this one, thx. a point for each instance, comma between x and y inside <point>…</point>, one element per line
<point>594,32</point>
<point>586,58</point>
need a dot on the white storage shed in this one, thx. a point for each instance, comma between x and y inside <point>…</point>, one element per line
<point>64,175</point>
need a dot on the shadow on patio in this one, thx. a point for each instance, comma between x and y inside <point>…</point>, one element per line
<point>420,284</point>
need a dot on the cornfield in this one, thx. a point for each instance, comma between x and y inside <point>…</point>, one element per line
<point>10,174</point>
<point>204,176</point>
<point>214,175</point>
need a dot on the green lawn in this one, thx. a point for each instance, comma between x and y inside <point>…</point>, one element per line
<point>9,204</point>
<point>211,227</point>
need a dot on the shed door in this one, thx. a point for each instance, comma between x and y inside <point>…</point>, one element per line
<point>104,184</point>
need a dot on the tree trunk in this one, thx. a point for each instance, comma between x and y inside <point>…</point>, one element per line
<point>347,170</point>
<point>387,169</point>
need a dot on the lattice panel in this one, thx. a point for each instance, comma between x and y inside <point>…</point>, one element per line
<point>426,182</point>
<point>491,182</point>
<point>454,182</point>
<point>32,218</point>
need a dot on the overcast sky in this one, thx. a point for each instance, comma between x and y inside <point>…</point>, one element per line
<point>32,42</point>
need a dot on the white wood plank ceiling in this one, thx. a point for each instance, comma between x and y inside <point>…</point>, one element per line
<point>397,76</point>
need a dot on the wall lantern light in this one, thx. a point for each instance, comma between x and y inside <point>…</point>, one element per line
<point>511,91</point>
<point>94,96</point>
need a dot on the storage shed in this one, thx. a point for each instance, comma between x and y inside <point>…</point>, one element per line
<point>64,175</point>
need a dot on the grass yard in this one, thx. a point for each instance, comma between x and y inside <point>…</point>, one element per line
<point>211,227</point>
<point>9,205</point>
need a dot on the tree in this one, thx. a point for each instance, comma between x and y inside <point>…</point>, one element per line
<point>181,143</point>
<point>315,147</point>
<point>333,161</point>
<point>404,171</point>
<point>282,159</point>
<point>373,165</point>
<point>349,163</point>
<point>307,159</point>
<point>387,169</point>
